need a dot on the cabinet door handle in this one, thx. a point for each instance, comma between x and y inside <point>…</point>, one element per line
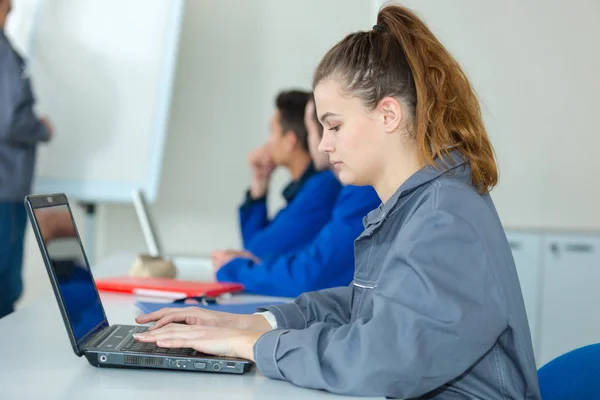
<point>515,245</point>
<point>579,248</point>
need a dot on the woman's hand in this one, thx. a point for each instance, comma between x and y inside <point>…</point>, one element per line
<point>205,318</point>
<point>222,257</point>
<point>206,339</point>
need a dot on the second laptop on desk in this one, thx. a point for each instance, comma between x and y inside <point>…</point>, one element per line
<point>152,238</point>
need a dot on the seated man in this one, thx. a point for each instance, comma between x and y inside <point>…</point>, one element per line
<point>327,261</point>
<point>310,195</point>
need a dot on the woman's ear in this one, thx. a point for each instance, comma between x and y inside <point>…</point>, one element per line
<point>391,113</point>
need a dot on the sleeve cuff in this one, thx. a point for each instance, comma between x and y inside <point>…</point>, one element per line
<point>288,316</point>
<point>231,271</point>
<point>248,200</point>
<point>269,317</point>
<point>265,354</point>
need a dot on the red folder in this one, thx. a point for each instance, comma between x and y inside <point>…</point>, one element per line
<point>166,287</point>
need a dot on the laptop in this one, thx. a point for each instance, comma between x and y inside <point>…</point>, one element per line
<point>152,240</point>
<point>91,335</point>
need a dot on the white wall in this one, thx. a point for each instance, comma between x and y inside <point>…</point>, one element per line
<point>535,67</point>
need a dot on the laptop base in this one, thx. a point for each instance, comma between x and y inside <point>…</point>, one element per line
<point>102,359</point>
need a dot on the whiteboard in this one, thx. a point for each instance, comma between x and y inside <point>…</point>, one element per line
<point>103,73</point>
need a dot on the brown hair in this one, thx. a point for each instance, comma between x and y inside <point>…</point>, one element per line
<point>402,58</point>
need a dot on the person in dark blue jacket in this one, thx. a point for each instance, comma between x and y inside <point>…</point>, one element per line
<point>20,133</point>
<point>327,261</point>
<point>310,196</point>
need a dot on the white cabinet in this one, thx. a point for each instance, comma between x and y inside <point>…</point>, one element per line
<point>570,294</point>
<point>527,252</point>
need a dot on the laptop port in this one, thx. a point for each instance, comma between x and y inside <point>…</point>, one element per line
<point>216,367</point>
<point>103,358</point>
<point>230,365</point>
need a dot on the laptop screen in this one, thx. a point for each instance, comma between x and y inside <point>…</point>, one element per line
<point>68,263</point>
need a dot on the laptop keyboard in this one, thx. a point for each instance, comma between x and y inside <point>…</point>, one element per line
<point>131,345</point>
<point>151,348</point>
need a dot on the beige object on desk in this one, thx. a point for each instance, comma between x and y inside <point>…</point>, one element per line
<point>147,266</point>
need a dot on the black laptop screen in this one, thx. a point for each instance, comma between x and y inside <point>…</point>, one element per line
<point>67,260</point>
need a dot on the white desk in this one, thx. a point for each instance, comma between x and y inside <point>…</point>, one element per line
<point>37,362</point>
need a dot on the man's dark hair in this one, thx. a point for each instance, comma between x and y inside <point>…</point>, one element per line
<point>291,105</point>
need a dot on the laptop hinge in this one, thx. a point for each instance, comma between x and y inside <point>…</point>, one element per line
<point>98,337</point>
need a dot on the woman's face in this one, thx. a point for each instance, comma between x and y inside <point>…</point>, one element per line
<point>353,137</point>
<point>320,160</point>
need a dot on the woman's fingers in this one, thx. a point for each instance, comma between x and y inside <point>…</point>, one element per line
<point>168,332</point>
<point>167,316</point>
<point>176,343</point>
<point>153,316</point>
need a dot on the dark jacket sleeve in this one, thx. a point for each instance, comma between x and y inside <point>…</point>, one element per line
<point>426,328</point>
<point>327,261</point>
<point>27,129</point>
<point>294,226</point>
<point>253,217</point>
<point>7,93</point>
<point>18,123</point>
